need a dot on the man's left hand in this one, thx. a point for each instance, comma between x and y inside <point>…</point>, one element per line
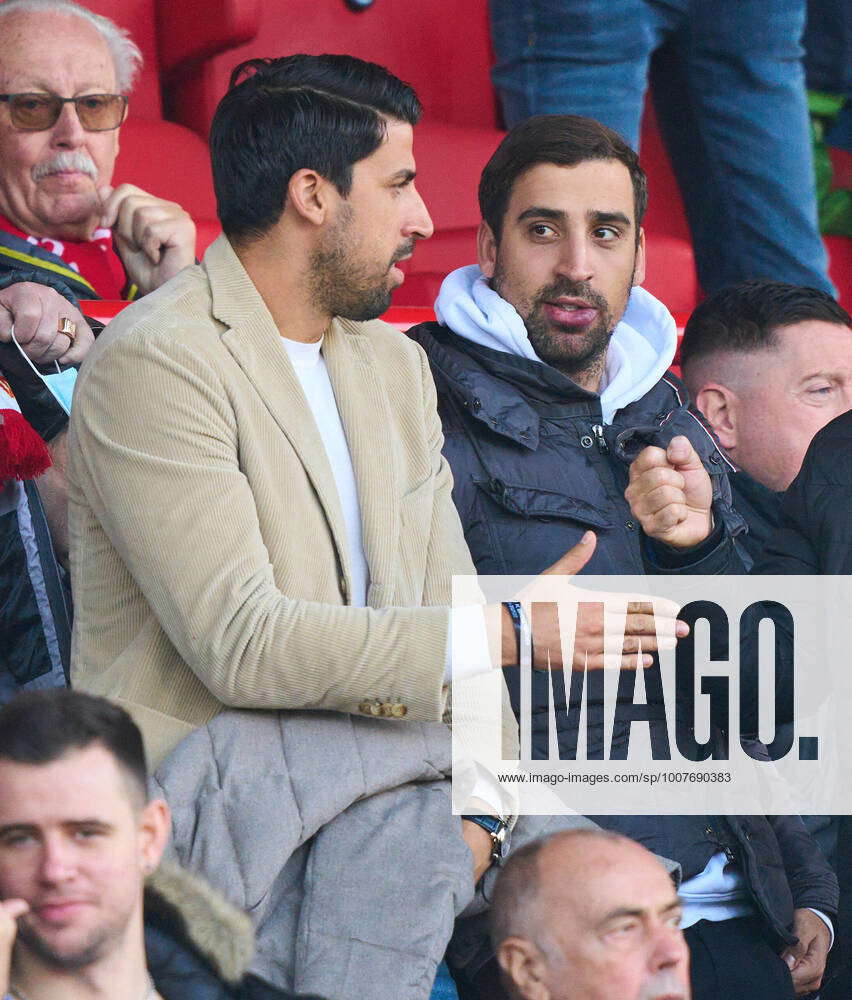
<point>806,960</point>
<point>671,495</point>
<point>155,238</point>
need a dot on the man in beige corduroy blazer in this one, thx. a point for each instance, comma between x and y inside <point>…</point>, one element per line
<point>211,563</point>
<point>212,558</point>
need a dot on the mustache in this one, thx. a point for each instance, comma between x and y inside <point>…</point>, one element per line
<point>77,162</point>
<point>573,289</point>
<point>665,983</point>
<point>404,250</point>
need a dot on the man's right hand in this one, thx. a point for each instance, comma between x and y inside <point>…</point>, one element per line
<point>10,910</point>
<point>35,311</point>
<point>644,629</point>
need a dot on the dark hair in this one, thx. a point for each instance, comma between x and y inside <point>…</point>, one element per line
<point>565,140</point>
<point>744,317</point>
<point>323,113</point>
<point>39,727</point>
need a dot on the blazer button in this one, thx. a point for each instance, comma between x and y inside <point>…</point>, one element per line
<point>398,710</point>
<point>375,708</point>
<point>364,706</point>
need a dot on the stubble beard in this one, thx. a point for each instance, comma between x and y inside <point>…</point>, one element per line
<point>341,284</point>
<point>101,941</point>
<point>581,357</point>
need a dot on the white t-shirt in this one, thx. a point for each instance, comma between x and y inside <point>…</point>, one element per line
<point>310,367</point>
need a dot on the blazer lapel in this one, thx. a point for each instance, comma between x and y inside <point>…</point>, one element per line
<point>364,412</point>
<point>254,342</point>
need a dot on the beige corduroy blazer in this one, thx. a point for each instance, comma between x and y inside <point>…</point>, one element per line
<point>208,549</point>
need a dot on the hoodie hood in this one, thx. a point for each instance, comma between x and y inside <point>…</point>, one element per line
<point>640,351</point>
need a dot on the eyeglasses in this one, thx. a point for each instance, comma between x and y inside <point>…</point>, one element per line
<point>37,112</point>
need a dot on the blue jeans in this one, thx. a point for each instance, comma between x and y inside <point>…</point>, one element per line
<point>730,98</point>
<point>444,988</point>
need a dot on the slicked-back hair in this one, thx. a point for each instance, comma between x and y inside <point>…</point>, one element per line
<point>322,113</point>
<point>39,727</point>
<point>565,140</point>
<point>745,317</point>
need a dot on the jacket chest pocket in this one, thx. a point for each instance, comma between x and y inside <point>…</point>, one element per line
<point>524,529</point>
<point>537,503</point>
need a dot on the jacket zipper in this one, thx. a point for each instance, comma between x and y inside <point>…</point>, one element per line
<point>597,430</point>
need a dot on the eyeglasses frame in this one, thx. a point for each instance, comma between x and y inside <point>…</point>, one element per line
<point>8,98</point>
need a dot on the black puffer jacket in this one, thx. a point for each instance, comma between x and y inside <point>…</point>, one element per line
<point>534,468</point>
<point>815,532</point>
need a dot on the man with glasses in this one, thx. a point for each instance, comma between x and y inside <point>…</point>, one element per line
<point>65,234</point>
<point>64,74</point>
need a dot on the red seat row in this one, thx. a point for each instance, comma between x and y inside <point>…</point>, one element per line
<point>442,47</point>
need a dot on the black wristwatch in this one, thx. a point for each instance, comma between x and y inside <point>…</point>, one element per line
<point>497,829</point>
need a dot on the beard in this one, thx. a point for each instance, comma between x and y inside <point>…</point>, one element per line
<point>345,284</point>
<point>570,351</point>
<point>100,942</point>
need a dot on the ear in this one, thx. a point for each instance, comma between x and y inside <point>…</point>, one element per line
<point>639,266</point>
<point>155,821</point>
<point>486,249</point>
<point>718,403</point>
<point>524,967</point>
<point>309,196</point>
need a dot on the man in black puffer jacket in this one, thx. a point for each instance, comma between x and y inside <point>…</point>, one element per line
<point>551,365</point>
<point>815,536</point>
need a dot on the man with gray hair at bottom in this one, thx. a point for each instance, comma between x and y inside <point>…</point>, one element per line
<point>603,925</point>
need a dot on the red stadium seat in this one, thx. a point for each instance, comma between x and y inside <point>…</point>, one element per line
<point>450,71</point>
<point>193,56</point>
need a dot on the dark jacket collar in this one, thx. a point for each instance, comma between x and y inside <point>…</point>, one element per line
<point>507,393</point>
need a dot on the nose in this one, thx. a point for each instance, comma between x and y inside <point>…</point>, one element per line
<point>669,948</point>
<point>419,223</point>
<point>57,863</point>
<point>575,259</point>
<point>68,133</point>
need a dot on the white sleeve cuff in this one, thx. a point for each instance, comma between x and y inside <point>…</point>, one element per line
<point>467,644</point>
<point>827,923</point>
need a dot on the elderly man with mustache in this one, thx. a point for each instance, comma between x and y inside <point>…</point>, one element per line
<point>65,234</point>
<point>60,220</point>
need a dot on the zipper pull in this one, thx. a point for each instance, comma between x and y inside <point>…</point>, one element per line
<point>597,430</point>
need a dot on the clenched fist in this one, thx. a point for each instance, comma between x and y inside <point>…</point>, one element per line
<point>670,494</point>
<point>155,238</point>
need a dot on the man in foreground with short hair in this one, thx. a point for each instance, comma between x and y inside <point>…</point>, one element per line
<point>589,915</point>
<point>767,364</point>
<point>78,840</point>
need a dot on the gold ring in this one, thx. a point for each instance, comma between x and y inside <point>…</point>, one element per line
<point>68,327</point>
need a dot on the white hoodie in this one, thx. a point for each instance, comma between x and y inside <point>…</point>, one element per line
<point>640,352</point>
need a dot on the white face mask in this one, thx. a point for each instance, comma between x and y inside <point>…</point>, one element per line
<point>60,384</point>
